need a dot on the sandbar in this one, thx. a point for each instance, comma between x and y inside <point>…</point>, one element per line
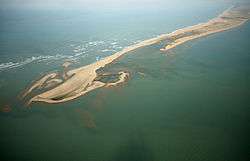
<point>231,18</point>
<point>78,82</point>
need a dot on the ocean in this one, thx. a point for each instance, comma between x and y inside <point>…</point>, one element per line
<point>188,104</point>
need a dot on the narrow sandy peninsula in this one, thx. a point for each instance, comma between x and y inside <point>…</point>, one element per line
<point>231,18</point>
<point>77,82</point>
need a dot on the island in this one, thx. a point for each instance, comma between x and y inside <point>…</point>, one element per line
<point>56,88</point>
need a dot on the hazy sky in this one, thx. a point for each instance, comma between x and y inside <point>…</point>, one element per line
<point>99,3</point>
<point>81,2</point>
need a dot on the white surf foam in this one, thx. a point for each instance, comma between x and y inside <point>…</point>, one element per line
<point>42,58</point>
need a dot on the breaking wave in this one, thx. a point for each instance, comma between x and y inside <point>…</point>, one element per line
<point>79,50</point>
<point>10,65</point>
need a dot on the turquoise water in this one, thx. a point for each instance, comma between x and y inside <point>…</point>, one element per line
<point>191,103</point>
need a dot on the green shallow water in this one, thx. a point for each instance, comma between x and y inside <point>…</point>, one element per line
<point>191,104</point>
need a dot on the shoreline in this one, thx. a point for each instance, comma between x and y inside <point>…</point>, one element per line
<point>224,22</point>
<point>82,80</point>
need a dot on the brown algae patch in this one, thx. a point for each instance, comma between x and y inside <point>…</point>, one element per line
<point>6,109</point>
<point>88,120</point>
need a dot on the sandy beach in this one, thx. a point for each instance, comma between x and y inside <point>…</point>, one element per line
<point>231,18</point>
<point>80,81</point>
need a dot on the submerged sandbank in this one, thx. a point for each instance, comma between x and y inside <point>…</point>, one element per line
<point>80,81</point>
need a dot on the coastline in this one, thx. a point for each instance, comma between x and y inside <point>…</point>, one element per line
<point>225,21</point>
<point>82,80</point>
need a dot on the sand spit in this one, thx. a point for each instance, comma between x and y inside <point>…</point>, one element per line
<point>231,18</point>
<point>39,83</point>
<point>122,78</point>
<point>52,82</point>
<point>80,81</point>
